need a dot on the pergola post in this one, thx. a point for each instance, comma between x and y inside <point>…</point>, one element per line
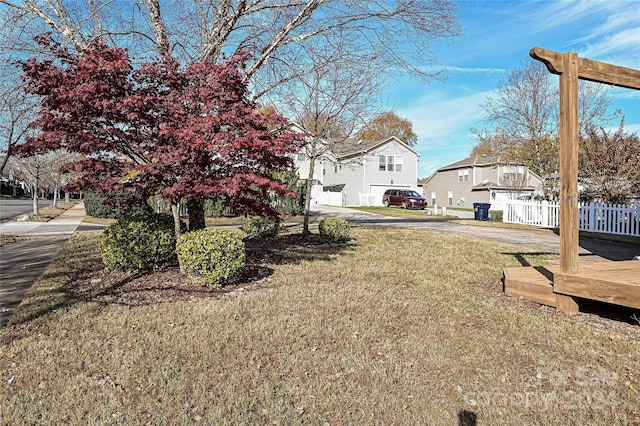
<point>569,237</point>
<point>571,68</point>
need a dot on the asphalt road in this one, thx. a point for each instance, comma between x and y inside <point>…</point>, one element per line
<point>543,240</point>
<point>12,207</point>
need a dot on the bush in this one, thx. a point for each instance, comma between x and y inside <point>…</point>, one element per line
<point>139,242</point>
<point>258,226</point>
<point>334,229</point>
<point>214,255</point>
<point>495,215</point>
<point>121,204</point>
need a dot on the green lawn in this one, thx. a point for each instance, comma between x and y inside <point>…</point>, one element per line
<point>405,327</point>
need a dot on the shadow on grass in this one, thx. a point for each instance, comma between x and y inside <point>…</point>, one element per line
<point>76,275</point>
<point>609,311</point>
<point>524,257</point>
<point>467,418</point>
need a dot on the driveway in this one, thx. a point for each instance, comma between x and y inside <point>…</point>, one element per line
<point>543,240</point>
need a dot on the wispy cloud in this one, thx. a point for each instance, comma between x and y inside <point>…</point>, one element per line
<point>443,124</point>
<point>623,48</point>
<point>436,114</point>
<point>464,70</point>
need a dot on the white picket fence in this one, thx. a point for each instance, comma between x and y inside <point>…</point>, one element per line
<point>592,217</point>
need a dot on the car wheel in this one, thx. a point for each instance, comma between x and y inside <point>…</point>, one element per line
<point>386,203</point>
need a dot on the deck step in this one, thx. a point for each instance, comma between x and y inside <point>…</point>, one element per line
<point>612,282</point>
<point>534,283</point>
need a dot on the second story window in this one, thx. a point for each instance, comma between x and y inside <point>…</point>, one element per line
<point>463,175</point>
<point>389,163</point>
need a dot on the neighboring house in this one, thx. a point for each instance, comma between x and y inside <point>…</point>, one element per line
<point>479,179</point>
<point>356,172</point>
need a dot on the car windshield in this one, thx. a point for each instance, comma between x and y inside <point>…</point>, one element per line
<point>412,194</point>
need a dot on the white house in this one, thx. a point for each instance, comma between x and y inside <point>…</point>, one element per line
<point>356,173</point>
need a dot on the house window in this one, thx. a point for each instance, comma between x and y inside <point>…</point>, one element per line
<point>463,175</point>
<point>302,157</point>
<point>450,198</point>
<point>390,163</point>
<point>513,174</point>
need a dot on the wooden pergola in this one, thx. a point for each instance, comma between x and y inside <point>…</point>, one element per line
<point>618,282</point>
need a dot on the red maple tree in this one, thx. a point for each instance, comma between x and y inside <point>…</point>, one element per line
<point>187,133</point>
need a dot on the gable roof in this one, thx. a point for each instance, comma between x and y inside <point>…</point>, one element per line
<point>474,160</point>
<point>351,146</point>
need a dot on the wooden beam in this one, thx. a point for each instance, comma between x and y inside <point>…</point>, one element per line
<point>588,69</point>
<point>569,237</point>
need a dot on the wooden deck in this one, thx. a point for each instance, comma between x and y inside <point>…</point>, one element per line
<point>617,283</point>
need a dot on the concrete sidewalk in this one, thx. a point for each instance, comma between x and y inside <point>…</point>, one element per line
<point>24,260</point>
<point>64,224</point>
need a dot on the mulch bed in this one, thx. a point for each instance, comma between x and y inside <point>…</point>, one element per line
<point>169,285</point>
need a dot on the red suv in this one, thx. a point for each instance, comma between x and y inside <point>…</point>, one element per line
<point>408,199</point>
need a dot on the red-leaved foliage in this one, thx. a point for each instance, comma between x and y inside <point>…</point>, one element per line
<point>183,133</point>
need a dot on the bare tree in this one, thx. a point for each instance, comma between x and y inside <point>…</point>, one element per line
<point>398,34</point>
<point>330,102</point>
<point>30,171</point>
<point>292,40</point>
<point>52,177</point>
<point>524,117</point>
<point>514,179</point>
<point>16,112</point>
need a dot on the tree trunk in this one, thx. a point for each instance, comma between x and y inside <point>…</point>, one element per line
<point>195,208</point>
<point>175,211</point>
<point>67,197</point>
<point>36,211</point>
<point>55,198</point>
<point>307,200</point>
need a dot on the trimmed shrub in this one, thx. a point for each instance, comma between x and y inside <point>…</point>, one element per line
<point>334,229</point>
<point>213,255</point>
<point>121,203</point>
<point>258,226</point>
<point>139,242</point>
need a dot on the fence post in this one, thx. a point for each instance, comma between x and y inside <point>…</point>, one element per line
<point>545,214</point>
<point>592,217</point>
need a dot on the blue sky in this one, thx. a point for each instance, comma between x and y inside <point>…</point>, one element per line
<point>497,38</point>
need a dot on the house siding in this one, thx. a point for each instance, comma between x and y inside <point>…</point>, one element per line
<point>361,173</point>
<point>463,193</point>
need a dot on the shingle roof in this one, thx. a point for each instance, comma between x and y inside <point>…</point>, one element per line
<point>352,146</point>
<point>474,160</point>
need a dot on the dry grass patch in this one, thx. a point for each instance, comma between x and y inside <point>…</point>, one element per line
<point>406,327</point>
<point>402,213</point>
